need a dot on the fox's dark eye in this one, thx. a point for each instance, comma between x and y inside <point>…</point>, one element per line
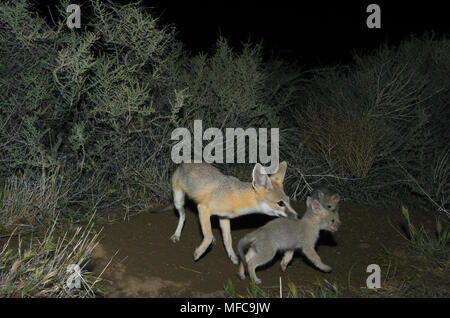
<point>280,203</point>
<point>333,220</point>
<point>329,206</point>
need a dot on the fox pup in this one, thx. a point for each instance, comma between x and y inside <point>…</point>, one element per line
<point>227,197</point>
<point>328,199</point>
<point>289,234</point>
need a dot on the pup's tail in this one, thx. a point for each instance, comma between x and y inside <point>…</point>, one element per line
<point>243,244</point>
<point>164,209</point>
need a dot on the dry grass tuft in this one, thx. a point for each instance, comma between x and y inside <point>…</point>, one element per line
<point>44,267</point>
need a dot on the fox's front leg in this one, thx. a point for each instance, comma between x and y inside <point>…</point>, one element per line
<point>227,240</point>
<point>205,223</point>
<point>286,259</point>
<point>178,199</point>
<point>312,255</point>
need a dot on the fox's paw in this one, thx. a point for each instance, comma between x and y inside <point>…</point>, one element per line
<point>175,238</point>
<point>257,281</point>
<point>241,271</point>
<point>234,259</point>
<point>197,254</point>
<point>325,268</point>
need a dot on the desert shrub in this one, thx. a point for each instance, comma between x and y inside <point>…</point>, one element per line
<point>28,109</point>
<point>283,88</point>
<point>91,100</point>
<point>123,121</point>
<point>231,88</point>
<point>434,246</point>
<point>40,268</point>
<point>387,114</point>
<point>226,89</point>
<point>101,102</point>
<point>28,203</point>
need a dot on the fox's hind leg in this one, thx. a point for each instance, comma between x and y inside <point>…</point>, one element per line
<point>227,241</point>
<point>178,202</point>
<point>241,271</point>
<point>256,259</point>
<point>205,223</point>
<point>250,254</point>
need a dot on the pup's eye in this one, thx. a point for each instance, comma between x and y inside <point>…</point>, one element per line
<point>329,206</point>
<point>333,220</point>
<point>280,203</point>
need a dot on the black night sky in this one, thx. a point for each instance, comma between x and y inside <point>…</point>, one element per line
<point>317,33</point>
<point>311,33</point>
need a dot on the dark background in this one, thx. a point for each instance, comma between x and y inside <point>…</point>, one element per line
<point>316,32</point>
<point>311,33</point>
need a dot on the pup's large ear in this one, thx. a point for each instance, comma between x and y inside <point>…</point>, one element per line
<point>320,194</point>
<point>278,176</point>
<point>260,177</point>
<point>308,201</point>
<point>335,198</point>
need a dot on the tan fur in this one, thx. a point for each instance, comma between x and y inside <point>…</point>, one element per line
<point>226,197</point>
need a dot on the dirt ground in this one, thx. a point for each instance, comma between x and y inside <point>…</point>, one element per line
<point>145,263</point>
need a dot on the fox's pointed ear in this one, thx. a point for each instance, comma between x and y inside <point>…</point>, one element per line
<point>308,201</point>
<point>260,177</point>
<point>278,176</point>
<point>320,194</point>
<point>335,198</point>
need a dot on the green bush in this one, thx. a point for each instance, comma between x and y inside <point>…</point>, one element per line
<point>226,89</point>
<point>101,102</point>
<point>83,100</point>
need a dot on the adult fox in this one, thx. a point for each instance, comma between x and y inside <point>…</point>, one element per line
<point>227,197</point>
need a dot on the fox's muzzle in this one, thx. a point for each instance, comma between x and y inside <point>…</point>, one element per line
<point>280,213</point>
<point>290,210</point>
